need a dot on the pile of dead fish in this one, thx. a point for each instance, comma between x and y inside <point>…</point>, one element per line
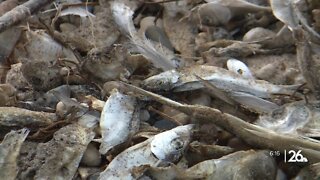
<point>214,89</point>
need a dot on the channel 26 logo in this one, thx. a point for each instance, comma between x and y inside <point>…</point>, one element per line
<point>290,156</point>
<point>293,156</point>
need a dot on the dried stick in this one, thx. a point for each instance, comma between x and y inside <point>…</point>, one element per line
<point>252,134</point>
<point>21,12</point>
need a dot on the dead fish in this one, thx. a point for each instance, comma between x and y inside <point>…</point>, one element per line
<point>294,118</point>
<point>119,120</point>
<point>239,165</point>
<point>167,146</point>
<point>235,98</point>
<point>60,157</point>
<point>253,135</point>
<point>184,80</point>
<point>9,151</point>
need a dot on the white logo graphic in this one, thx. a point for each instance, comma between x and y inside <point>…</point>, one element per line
<point>295,156</point>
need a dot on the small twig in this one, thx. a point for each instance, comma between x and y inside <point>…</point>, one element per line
<point>164,115</point>
<point>21,12</point>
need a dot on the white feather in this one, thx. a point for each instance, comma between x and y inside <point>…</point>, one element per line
<point>123,17</point>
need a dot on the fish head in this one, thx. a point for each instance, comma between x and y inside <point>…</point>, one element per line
<point>170,145</point>
<point>163,81</point>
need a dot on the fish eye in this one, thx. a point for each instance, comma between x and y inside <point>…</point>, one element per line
<point>178,144</point>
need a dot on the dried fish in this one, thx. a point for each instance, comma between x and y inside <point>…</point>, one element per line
<point>239,165</point>
<point>123,17</point>
<point>18,117</point>
<point>9,151</point>
<point>184,80</point>
<point>166,146</point>
<point>60,157</point>
<point>119,120</point>
<point>294,118</point>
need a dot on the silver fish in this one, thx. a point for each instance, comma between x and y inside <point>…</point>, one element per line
<point>294,118</point>
<point>185,80</point>
<point>119,120</point>
<point>166,146</point>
